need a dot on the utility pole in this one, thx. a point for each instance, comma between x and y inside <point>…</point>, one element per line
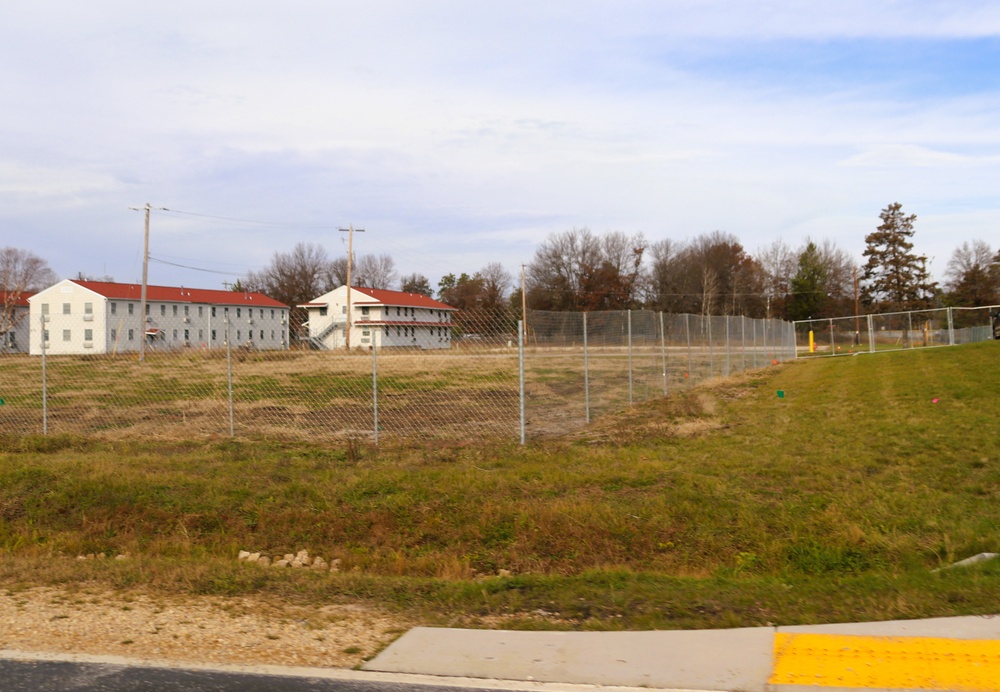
<point>350,260</point>
<point>145,277</point>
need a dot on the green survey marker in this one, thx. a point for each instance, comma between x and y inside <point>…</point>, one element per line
<point>781,393</point>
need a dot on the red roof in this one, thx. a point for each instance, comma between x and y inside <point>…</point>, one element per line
<point>175,294</point>
<point>18,299</point>
<point>393,298</point>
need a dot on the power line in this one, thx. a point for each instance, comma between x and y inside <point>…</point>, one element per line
<point>197,269</point>
<point>281,224</point>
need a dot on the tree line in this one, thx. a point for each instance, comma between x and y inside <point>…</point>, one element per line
<point>579,270</point>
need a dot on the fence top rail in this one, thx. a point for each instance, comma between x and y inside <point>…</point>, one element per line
<point>981,307</point>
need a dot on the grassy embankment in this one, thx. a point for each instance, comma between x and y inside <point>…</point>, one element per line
<point>721,506</point>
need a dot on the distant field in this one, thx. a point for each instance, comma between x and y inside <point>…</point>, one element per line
<point>720,505</point>
<point>457,394</point>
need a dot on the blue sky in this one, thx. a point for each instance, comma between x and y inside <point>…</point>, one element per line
<point>460,133</point>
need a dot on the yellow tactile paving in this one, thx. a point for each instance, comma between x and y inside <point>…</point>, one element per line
<point>908,663</point>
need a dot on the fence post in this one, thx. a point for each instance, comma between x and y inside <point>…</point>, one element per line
<point>951,328</point>
<point>711,347</point>
<point>727,345</point>
<point>520,367</point>
<point>687,328</point>
<point>630,357</point>
<point>871,334</point>
<point>743,343</point>
<point>586,371</point>
<point>229,379</point>
<point>45,384</point>
<point>375,387</point>
<point>663,353</point>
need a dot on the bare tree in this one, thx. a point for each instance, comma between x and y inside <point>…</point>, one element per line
<point>372,271</point>
<point>663,280</point>
<point>21,273</point>
<point>972,276</point>
<point>577,270</point>
<point>779,264</point>
<point>294,278</point>
<point>554,275</point>
<point>497,283</point>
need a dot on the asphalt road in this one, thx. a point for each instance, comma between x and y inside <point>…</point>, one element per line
<point>63,676</point>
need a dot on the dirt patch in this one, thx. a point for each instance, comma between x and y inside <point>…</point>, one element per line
<point>207,629</point>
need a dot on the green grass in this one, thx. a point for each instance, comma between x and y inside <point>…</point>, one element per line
<point>718,506</point>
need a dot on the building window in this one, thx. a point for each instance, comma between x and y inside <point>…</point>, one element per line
<point>397,331</point>
<point>174,310</point>
<point>66,308</point>
<point>262,313</point>
<point>322,311</point>
<point>365,310</point>
<point>66,335</point>
<point>187,310</point>
<point>397,311</point>
<point>147,309</point>
<point>200,311</point>
<point>187,335</point>
<point>131,308</point>
<point>213,331</point>
<point>213,315</point>
<point>343,309</point>
<point>131,333</point>
<point>261,334</point>
<point>114,334</point>
<point>175,335</point>
<point>272,335</point>
<point>239,334</point>
<point>45,334</point>
<point>201,334</point>
<point>238,310</point>
<point>163,310</point>
<point>45,308</point>
<point>88,334</point>
<point>114,308</point>
<point>272,313</point>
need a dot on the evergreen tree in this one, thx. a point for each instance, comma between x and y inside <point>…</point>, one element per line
<point>895,278</point>
<point>808,296</point>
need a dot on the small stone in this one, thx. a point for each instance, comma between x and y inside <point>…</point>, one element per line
<point>121,557</point>
<point>281,563</point>
<point>253,557</point>
<point>319,563</point>
<point>244,554</point>
<point>302,555</point>
<point>264,560</point>
<point>90,556</point>
<point>296,563</point>
<point>101,556</point>
<point>289,557</point>
<point>81,557</point>
<point>503,572</point>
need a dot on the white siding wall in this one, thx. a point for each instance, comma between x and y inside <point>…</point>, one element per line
<point>116,325</point>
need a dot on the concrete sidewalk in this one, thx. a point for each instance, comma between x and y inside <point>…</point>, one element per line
<point>938,654</point>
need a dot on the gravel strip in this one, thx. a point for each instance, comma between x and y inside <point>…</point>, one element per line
<point>193,628</point>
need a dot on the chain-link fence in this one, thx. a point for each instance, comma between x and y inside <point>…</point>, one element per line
<point>494,380</point>
<point>838,336</point>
